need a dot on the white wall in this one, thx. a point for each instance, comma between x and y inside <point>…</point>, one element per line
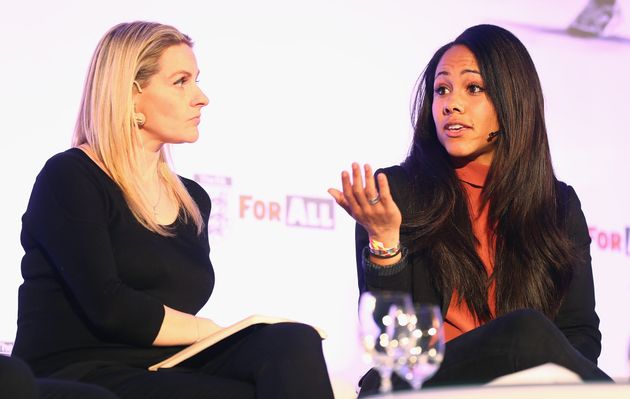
<point>298,90</point>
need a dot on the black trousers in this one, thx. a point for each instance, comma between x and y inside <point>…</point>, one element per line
<point>17,382</point>
<point>279,361</point>
<point>517,341</point>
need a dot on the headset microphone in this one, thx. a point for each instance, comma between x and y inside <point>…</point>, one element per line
<point>492,135</point>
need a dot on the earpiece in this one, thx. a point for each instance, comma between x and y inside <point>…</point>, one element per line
<point>492,135</point>
<point>137,86</point>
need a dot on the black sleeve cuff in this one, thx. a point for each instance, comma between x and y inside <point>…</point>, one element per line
<point>380,271</point>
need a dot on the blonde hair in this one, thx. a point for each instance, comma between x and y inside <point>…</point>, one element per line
<point>128,52</point>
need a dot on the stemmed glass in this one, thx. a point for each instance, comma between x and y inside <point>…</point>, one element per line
<point>425,349</point>
<point>384,318</point>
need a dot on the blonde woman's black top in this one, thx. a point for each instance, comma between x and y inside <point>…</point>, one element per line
<point>96,280</point>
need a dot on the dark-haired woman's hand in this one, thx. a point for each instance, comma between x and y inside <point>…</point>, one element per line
<point>373,209</point>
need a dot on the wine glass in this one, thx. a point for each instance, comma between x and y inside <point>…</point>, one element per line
<point>384,318</point>
<point>425,349</point>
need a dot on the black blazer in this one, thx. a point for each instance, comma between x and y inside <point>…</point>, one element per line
<point>576,318</point>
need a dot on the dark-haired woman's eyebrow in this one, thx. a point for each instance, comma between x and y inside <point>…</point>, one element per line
<point>446,73</point>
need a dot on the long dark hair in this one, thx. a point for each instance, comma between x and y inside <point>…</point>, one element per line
<point>533,256</point>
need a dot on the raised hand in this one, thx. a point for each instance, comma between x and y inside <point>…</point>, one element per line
<point>375,211</point>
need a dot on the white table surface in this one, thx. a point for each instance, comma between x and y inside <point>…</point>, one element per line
<point>556,391</point>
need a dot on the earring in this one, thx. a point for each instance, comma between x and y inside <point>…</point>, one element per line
<point>140,119</point>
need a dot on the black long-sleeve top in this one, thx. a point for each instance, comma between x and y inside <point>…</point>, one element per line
<point>576,318</point>
<point>96,280</point>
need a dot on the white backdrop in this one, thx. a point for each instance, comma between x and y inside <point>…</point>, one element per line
<point>298,90</point>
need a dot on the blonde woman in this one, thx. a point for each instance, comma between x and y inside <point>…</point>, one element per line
<point>116,251</point>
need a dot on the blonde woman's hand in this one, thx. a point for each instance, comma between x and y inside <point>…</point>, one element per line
<point>375,211</point>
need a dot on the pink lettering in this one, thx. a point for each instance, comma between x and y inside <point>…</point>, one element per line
<point>243,204</point>
<point>259,210</point>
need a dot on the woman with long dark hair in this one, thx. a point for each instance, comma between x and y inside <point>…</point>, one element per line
<point>474,219</point>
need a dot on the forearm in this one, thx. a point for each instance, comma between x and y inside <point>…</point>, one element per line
<point>393,277</point>
<point>179,328</point>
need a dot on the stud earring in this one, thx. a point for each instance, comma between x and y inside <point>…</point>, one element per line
<point>140,119</point>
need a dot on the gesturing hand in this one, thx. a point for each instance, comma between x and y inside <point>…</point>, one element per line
<point>376,212</point>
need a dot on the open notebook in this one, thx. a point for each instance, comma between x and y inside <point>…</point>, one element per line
<point>221,334</point>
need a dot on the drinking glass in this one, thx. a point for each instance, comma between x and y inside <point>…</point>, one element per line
<point>425,349</point>
<point>384,319</point>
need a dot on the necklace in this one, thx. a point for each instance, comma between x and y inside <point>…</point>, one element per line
<point>155,211</point>
<point>145,194</point>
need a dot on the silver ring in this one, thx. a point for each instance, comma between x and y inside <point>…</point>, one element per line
<point>375,200</point>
